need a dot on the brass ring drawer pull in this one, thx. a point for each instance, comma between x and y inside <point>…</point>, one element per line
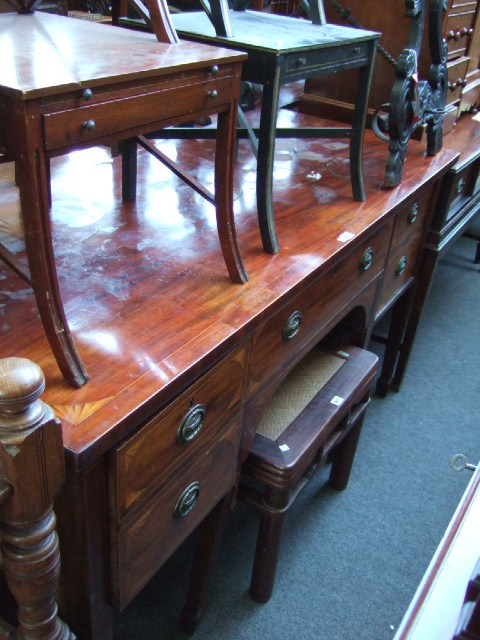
<point>292,326</point>
<point>413,213</point>
<point>367,260</point>
<point>191,424</point>
<point>401,266</point>
<point>186,501</point>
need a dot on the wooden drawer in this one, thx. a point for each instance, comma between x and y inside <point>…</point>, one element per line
<point>403,255</point>
<point>143,463</point>
<point>146,540</point>
<point>85,124</point>
<point>355,54</point>
<point>457,31</point>
<point>457,188</point>
<point>456,78</point>
<point>462,4</point>
<point>292,331</point>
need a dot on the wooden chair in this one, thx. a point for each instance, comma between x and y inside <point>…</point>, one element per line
<point>315,416</point>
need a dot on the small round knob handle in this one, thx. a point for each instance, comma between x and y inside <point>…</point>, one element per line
<point>213,94</point>
<point>89,125</point>
<point>214,70</point>
<point>186,501</point>
<point>460,186</point>
<point>292,326</point>
<point>401,266</point>
<point>191,424</point>
<point>413,214</point>
<point>301,62</point>
<point>87,94</point>
<point>367,260</point>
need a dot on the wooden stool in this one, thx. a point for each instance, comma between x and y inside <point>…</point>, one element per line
<point>315,415</point>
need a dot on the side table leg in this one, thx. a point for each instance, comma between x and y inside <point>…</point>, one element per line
<point>265,161</point>
<point>358,128</point>
<point>224,159</point>
<point>32,175</point>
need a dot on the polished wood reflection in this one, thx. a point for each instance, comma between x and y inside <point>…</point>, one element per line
<point>143,285</point>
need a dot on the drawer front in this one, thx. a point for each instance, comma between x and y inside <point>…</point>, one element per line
<point>458,29</point>
<point>144,542</point>
<point>144,461</point>
<point>456,78</point>
<point>410,219</point>
<point>463,4</point>
<point>348,55</point>
<point>406,242</point>
<point>457,189</point>
<point>400,269</point>
<point>90,122</point>
<point>292,331</point>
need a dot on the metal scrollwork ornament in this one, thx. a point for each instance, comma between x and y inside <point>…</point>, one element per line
<point>415,102</point>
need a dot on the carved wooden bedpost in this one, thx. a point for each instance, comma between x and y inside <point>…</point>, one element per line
<point>31,474</point>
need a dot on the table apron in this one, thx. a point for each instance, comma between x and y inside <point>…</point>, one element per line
<point>85,124</point>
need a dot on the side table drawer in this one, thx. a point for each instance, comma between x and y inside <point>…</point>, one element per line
<point>90,122</point>
<point>290,332</point>
<point>146,540</point>
<point>353,53</point>
<point>142,463</point>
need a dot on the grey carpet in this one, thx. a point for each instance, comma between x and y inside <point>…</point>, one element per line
<point>351,561</point>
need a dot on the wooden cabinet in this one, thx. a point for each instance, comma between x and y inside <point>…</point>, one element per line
<point>460,31</point>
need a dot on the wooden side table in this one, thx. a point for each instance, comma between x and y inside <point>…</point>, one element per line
<point>67,84</point>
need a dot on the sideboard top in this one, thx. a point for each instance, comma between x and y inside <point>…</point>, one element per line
<point>146,292</point>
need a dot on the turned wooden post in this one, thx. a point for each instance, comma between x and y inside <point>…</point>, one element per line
<point>31,474</point>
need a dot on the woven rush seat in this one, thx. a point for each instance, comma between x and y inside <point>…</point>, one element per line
<point>314,417</point>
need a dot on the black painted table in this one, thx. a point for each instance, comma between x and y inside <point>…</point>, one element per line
<point>282,50</point>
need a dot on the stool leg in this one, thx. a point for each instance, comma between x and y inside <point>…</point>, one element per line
<point>266,555</point>
<point>344,456</point>
<point>208,545</point>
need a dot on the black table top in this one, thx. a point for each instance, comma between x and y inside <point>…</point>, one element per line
<point>271,33</point>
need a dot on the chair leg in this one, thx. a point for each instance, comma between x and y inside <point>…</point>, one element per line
<point>344,456</point>
<point>266,555</point>
<point>210,537</point>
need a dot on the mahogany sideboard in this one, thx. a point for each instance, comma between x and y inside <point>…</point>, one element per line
<point>171,343</point>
